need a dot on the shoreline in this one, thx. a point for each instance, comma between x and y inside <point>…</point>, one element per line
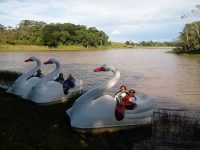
<point>184,53</point>
<point>30,48</point>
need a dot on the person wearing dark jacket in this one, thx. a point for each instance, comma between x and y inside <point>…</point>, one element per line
<point>60,78</point>
<point>68,83</point>
<point>39,74</point>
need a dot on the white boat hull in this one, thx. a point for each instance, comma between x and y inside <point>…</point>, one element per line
<point>104,116</point>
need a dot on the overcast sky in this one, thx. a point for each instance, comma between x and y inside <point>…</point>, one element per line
<point>121,20</point>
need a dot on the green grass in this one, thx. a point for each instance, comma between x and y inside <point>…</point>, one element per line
<point>45,48</point>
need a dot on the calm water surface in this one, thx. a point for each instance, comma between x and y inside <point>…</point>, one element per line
<point>171,81</point>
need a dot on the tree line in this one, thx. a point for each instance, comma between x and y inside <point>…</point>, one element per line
<point>189,39</point>
<point>30,32</point>
<point>150,44</point>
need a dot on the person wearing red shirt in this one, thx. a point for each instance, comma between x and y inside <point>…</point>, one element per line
<point>127,103</point>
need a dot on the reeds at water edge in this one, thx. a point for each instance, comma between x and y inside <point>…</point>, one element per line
<point>176,129</point>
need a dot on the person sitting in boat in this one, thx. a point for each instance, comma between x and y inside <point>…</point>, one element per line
<point>60,78</point>
<point>128,101</point>
<point>120,94</point>
<point>39,74</point>
<point>68,83</point>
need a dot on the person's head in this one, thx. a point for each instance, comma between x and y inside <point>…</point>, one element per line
<point>70,76</point>
<point>61,75</point>
<point>39,71</point>
<point>123,88</point>
<point>131,92</point>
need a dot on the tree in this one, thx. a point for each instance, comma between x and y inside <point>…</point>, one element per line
<point>189,39</point>
<point>30,32</point>
<point>50,35</point>
<point>127,43</point>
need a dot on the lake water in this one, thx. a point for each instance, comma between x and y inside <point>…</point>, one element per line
<point>171,81</point>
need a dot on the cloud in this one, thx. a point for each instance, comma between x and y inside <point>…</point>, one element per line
<point>116,32</point>
<point>121,20</point>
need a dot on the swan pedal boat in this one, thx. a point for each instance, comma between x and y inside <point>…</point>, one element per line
<point>42,90</point>
<point>47,91</point>
<point>94,112</point>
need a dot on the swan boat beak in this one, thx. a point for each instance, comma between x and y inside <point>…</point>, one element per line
<point>99,69</point>
<point>48,62</point>
<point>27,60</point>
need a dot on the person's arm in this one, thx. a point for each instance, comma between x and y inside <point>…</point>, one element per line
<point>116,94</point>
<point>41,76</point>
<point>132,99</point>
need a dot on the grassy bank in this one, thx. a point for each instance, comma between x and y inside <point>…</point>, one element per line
<point>46,48</point>
<point>187,53</point>
<point>72,47</point>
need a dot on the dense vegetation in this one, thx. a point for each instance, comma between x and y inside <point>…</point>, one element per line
<point>150,44</point>
<point>189,39</point>
<point>29,32</point>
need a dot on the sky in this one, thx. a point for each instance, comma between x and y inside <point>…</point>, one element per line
<point>121,20</point>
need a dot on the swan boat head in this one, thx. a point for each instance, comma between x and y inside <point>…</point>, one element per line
<point>52,74</point>
<point>27,75</point>
<point>18,88</point>
<point>51,61</point>
<point>32,58</point>
<point>99,90</point>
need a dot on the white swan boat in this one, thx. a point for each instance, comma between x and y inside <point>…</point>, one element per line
<point>24,83</point>
<point>47,90</point>
<point>94,112</point>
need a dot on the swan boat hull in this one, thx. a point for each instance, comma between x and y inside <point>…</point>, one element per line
<point>137,123</point>
<point>51,93</point>
<point>16,88</point>
<point>98,116</point>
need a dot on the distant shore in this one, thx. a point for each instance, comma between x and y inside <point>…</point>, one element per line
<point>186,53</point>
<point>71,48</point>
